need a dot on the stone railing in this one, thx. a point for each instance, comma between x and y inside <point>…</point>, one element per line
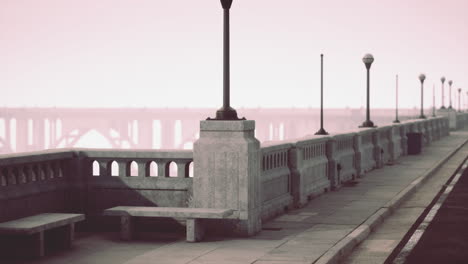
<point>275,179</point>
<point>279,175</point>
<point>89,181</point>
<point>311,168</point>
<point>34,182</point>
<point>344,154</point>
<point>386,143</point>
<point>129,177</point>
<point>367,144</point>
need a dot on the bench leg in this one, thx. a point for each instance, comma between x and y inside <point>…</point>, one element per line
<point>126,227</point>
<point>195,230</point>
<point>39,244</point>
<point>69,235</point>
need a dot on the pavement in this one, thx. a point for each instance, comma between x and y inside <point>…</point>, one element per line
<point>326,230</point>
<point>388,240</point>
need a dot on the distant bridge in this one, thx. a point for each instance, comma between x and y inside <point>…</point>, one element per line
<point>30,129</point>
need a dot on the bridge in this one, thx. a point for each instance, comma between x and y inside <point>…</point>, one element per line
<point>231,169</point>
<point>33,129</point>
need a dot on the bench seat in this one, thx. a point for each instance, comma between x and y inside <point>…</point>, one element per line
<point>37,224</point>
<point>194,217</point>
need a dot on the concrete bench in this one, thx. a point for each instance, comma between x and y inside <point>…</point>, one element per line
<point>36,225</point>
<point>194,216</point>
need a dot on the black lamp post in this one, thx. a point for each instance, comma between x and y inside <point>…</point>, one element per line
<point>368,59</point>
<point>466,107</point>
<point>422,77</point>
<point>450,94</point>
<point>226,112</point>
<point>459,95</point>
<point>396,108</point>
<point>433,101</point>
<point>443,94</point>
<point>321,130</point>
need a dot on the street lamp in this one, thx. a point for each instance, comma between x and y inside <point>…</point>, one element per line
<point>466,107</point>
<point>368,59</point>
<point>459,95</point>
<point>321,130</point>
<point>226,112</point>
<point>433,101</point>
<point>443,94</point>
<point>450,94</point>
<point>422,77</point>
<point>396,103</point>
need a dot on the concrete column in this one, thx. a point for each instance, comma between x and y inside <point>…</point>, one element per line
<point>167,134</point>
<point>227,172</point>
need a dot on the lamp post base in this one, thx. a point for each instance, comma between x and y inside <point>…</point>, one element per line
<point>321,132</point>
<point>450,107</point>
<point>422,117</point>
<point>396,121</point>
<point>443,107</point>
<point>226,113</point>
<point>368,123</point>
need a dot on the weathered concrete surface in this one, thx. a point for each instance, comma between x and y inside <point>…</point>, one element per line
<point>227,165</point>
<point>380,244</point>
<point>325,229</point>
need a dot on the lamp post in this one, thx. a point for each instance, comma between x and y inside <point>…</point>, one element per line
<point>433,101</point>
<point>466,106</point>
<point>368,59</point>
<point>450,94</point>
<point>459,95</point>
<point>422,77</point>
<point>226,112</point>
<point>321,130</point>
<point>396,102</point>
<point>443,94</point>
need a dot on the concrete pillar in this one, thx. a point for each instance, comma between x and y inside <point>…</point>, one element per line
<point>227,172</point>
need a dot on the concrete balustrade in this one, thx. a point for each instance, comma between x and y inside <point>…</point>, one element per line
<point>397,139</point>
<point>344,154</point>
<point>311,168</point>
<point>276,193</point>
<point>367,146</point>
<point>384,134</point>
<point>231,171</point>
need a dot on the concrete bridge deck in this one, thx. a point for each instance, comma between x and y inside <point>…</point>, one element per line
<point>326,228</point>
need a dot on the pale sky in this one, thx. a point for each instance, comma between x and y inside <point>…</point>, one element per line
<point>168,53</point>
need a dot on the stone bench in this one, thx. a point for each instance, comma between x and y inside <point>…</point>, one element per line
<point>194,216</point>
<point>36,225</point>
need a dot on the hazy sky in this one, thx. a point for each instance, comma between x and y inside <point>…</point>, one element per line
<point>158,53</point>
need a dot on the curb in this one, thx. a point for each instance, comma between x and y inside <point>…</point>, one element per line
<point>360,233</point>
<point>417,234</point>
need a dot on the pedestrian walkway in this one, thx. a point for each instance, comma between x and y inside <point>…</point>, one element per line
<point>386,242</point>
<point>327,228</point>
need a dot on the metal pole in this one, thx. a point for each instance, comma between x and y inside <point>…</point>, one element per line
<point>321,130</point>
<point>443,97</point>
<point>226,75</point>
<point>368,104</point>
<point>433,100</point>
<point>226,112</point>
<point>422,93</point>
<point>396,102</point>
<point>450,95</point>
